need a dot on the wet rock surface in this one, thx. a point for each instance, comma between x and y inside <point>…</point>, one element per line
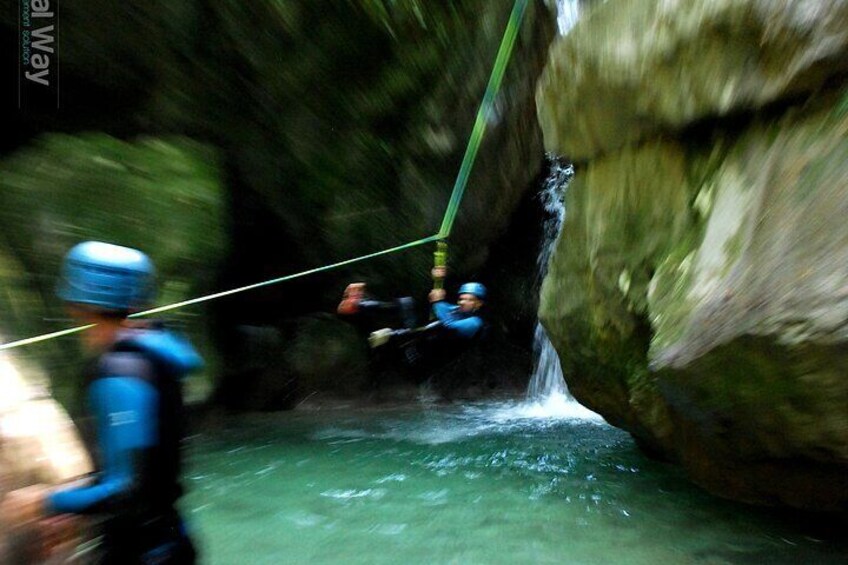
<point>697,297</point>
<point>632,69</point>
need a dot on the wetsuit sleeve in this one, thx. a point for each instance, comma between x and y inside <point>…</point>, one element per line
<point>462,327</point>
<point>124,409</point>
<point>443,310</point>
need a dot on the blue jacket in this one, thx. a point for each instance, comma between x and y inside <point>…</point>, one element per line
<point>457,322</point>
<point>135,399</point>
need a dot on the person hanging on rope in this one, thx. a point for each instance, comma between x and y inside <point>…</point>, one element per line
<point>463,320</point>
<point>459,322</point>
<point>454,331</point>
<point>356,301</point>
<point>135,399</point>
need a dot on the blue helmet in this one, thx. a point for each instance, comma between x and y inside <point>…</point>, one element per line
<point>107,276</point>
<point>474,288</point>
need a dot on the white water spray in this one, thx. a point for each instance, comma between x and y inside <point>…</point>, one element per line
<point>547,394</point>
<point>547,381</point>
<point>568,12</point>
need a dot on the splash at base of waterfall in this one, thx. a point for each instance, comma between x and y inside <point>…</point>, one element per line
<point>557,406</point>
<point>547,379</point>
<point>547,394</point>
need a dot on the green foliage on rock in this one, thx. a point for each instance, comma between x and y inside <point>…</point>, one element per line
<point>161,195</point>
<point>626,213</point>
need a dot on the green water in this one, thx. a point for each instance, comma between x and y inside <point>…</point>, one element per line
<point>480,483</point>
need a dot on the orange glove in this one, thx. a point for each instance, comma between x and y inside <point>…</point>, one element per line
<point>350,299</point>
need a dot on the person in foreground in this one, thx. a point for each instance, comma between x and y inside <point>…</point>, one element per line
<point>134,395</point>
<point>463,320</point>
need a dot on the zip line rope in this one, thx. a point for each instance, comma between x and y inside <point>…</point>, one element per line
<point>45,337</point>
<point>474,141</point>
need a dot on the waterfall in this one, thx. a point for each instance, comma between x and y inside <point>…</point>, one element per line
<point>547,381</point>
<point>568,12</point>
<point>547,393</point>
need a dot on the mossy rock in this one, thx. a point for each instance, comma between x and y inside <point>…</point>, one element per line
<point>161,195</point>
<point>632,69</point>
<point>698,299</point>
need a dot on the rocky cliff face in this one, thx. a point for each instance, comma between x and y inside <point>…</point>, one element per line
<point>699,293</point>
<point>342,134</point>
<point>299,133</point>
<point>38,445</point>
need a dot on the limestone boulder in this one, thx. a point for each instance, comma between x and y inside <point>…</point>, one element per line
<point>751,325</point>
<point>699,299</point>
<point>631,69</point>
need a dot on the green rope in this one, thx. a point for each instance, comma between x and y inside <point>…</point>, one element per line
<point>504,52</point>
<point>501,61</point>
<point>286,278</point>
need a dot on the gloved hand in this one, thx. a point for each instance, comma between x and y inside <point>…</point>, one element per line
<point>37,537</point>
<point>23,506</point>
<point>437,295</point>
<point>353,295</point>
<point>383,336</point>
<point>380,337</point>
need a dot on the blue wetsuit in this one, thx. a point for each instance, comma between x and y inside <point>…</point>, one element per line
<point>135,398</point>
<point>456,322</point>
